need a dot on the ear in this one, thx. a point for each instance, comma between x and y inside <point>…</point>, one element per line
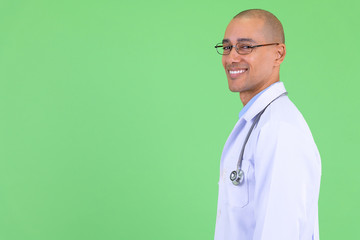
<point>280,54</point>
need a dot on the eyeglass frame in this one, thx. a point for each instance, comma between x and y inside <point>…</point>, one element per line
<point>236,48</point>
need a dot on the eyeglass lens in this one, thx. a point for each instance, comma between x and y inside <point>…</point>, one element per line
<point>241,48</point>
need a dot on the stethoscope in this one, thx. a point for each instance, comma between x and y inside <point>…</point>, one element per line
<point>237,176</point>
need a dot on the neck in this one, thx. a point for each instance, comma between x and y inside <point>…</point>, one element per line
<point>246,96</point>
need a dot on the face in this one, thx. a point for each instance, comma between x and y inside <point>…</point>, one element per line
<point>250,74</point>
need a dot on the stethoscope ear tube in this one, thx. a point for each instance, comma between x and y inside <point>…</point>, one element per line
<point>237,176</point>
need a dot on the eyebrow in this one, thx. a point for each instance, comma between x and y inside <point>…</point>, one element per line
<point>239,40</point>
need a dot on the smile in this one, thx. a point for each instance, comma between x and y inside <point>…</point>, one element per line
<point>236,73</point>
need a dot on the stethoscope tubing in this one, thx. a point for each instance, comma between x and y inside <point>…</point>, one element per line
<point>256,120</point>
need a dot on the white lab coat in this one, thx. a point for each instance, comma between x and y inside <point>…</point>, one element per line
<point>278,199</point>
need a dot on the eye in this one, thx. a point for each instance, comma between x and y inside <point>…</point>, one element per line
<point>225,47</point>
<point>244,46</point>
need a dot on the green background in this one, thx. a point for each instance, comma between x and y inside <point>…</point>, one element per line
<point>113,114</point>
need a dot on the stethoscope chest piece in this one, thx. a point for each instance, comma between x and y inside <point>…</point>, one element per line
<point>237,177</point>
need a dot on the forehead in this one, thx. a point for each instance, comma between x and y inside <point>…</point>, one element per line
<point>245,28</point>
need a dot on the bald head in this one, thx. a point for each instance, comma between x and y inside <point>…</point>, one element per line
<point>272,26</point>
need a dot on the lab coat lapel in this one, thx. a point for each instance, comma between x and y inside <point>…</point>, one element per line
<point>264,99</point>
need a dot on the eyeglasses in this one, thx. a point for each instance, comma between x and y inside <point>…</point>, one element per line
<point>241,48</point>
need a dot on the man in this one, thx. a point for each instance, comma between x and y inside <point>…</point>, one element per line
<point>270,167</point>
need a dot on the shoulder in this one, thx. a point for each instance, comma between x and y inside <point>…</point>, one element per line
<point>283,124</point>
<point>283,115</point>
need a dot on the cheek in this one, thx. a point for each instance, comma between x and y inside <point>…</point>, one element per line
<point>257,65</point>
<point>264,61</point>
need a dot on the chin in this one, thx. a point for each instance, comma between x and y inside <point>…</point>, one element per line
<point>236,85</point>
<point>234,89</point>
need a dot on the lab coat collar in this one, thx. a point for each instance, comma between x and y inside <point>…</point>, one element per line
<point>264,99</point>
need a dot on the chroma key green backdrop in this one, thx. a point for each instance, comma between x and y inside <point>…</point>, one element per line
<point>113,114</point>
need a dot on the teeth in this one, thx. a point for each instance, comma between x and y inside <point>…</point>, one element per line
<point>236,72</point>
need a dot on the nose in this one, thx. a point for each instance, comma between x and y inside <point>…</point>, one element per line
<point>234,56</point>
